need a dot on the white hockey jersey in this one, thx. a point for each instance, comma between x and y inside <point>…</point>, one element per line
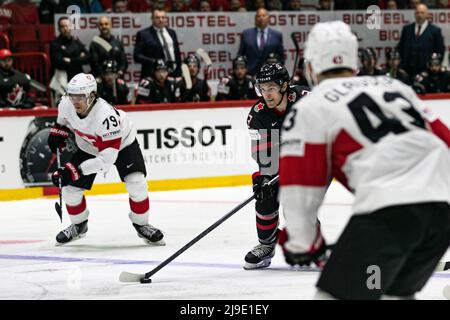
<point>103,133</point>
<point>375,136</point>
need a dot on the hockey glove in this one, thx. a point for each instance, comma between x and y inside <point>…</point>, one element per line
<point>262,190</point>
<point>69,173</point>
<point>57,137</point>
<point>317,253</point>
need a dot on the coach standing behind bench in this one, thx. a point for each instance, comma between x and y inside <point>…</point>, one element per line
<point>157,42</point>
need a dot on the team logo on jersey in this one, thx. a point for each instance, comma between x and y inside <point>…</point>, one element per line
<point>337,59</point>
<point>15,96</point>
<point>259,107</point>
<point>292,97</point>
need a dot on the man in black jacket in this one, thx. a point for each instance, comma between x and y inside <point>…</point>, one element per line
<point>67,52</point>
<point>106,47</point>
<point>14,85</point>
<point>418,42</point>
<point>157,42</point>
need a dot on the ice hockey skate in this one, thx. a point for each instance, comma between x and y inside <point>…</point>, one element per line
<point>72,233</point>
<point>150,234</point>
<point>259,257</point>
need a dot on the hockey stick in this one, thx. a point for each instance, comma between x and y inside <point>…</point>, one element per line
<point>297,53</point>
<point>206,59</point>
<point>186,76</point>
<point>58,206</point>
<point>145,278</point>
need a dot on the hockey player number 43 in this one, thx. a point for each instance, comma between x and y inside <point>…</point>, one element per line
<point>364,102</point>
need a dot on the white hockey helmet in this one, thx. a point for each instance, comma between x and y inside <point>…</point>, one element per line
<point>82,83</point>
<point>330,45</point>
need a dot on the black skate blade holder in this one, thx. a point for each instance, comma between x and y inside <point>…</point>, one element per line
<point>146,278</point>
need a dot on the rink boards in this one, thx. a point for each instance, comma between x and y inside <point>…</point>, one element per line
<point>184,146</point>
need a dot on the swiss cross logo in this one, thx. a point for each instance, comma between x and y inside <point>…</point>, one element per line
<point>337,60</point>
<point>292,97</point>
<point>88,77</point>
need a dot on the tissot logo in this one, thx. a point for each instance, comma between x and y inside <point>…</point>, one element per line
<point>186,137</point>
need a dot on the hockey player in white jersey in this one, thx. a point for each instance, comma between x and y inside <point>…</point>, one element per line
<point>105,137</point>
<point>374,136</point>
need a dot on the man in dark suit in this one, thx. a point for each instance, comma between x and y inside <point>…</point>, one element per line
<point>157,42</point>
<point>418,41</point>
<point>258,42</point>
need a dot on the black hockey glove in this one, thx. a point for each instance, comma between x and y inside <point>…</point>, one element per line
<point>57,137</point>
<point>262,190</point>
<point>317,253</point>
<point>69,173</point>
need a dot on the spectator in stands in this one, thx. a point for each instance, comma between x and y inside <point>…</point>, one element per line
<point>67,55</point>
<point>325,5</point>
<point>368,59</point>
<point>274,5</point>
<point>140,5</point>
<point>418,41</point>
<point>106,47</point>
<point>235,5</point>
<point>157,42</point>
<point>256,5</point>
<point>435,79</point>
<point>204,6</point>
<point>120,6</point>
<point>179,6</point>
<point>200,90</point>
<point>86,6</point>
<point>237,86</point>
<point>5,15</point>
<point>391,5</point>
<point>110,87</point>
<point>23,12</point>
<point>393,67</point>
<point>258,42</point>
<point>47,10</point>
<point>160,88</point>
<point>15,89</point>
<point>413,4</point>
<point>294,5</point>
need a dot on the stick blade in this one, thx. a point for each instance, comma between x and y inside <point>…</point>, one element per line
<point>58,210</point>
<point>130,277</point>
<point>204,55</point>
<point>186,75</point>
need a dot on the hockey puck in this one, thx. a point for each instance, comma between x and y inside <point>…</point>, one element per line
<point>446,292</point>
<point>146,280</point>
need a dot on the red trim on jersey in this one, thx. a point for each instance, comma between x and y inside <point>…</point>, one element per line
<point>308,170</point>
<point>75,210</point>
<point>255,174</point>
<point>441,130</point>
<point>98,142</point>
<point>262,146</point>
<point>139,207</point>
<point>278,112</point>
<point>268,227</point>
<point>343,146</point>
<point>102,145</point>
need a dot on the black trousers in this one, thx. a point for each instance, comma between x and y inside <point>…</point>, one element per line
<point>391,251</point>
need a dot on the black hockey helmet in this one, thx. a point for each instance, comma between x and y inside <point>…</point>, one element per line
<point>160,64</point>
<point>275,72</point>
<point>435,59</point>
<point>109,66</point>
<point>192,58</point>
<point>240,60</point>
<point>273,58</point>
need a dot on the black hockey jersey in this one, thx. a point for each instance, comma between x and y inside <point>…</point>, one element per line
<point>120,96</point>
<point>230,88</point>
<point>15,90</point>
<point>264,125</point>
<point>200,91</point>
<point>151,92</point>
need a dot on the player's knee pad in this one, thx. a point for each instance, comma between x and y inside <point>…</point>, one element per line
<point>72,195</point>
<point>136,185</point>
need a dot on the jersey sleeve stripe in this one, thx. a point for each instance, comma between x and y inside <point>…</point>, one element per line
<point>441,130</point>
<point>307,170</point>
<point>102,145</point>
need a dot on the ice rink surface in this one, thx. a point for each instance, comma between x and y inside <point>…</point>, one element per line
<point>32,267</point>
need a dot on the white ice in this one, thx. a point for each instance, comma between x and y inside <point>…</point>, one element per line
<point>32,267</point>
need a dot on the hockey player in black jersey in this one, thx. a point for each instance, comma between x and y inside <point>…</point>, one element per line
<point>161,88</point>
<point>200,90</point>
<point>264,122</point>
